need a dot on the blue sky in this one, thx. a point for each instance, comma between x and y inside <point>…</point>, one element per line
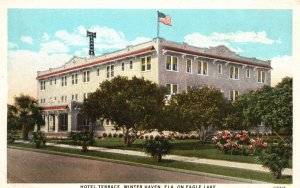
<point>43,38</point>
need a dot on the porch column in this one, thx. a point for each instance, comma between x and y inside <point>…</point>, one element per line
<point>46,127</point>
<point>69,122</point>
<point>56,122</point>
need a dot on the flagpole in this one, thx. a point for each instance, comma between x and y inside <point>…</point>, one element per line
<point>157,25</point>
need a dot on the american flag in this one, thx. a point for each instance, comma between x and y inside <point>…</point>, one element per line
<point>165,19</point>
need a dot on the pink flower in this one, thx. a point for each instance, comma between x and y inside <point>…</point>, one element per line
<point>226,132</point>
<point>238,136</point>
<point>240,147</point>
<point>227,145</point>
<point>251,141</point>
<point>214,139</point>
<point>228,140</point>
<point>250,147</point>
<point>219,133</point>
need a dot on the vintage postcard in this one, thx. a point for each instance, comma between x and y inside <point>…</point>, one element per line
<point>130,94</point>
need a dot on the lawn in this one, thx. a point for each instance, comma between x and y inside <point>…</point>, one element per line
<point>189,148</point>
<point>240,173</point>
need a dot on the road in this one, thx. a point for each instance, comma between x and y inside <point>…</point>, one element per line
<point>32,167</point>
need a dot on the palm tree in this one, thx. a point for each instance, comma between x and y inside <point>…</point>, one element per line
<point>29,114</point>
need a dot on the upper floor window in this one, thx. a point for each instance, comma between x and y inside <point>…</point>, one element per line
<point>86,76</point>
<point>202,68</point>
<point>74,79</point>
<point>146,63</point>
<point>110,71</point>
<point>64,81</point>
<point>248,73</point>
<point>172,63</point>
<point>261,76</point>
<point>130,64</point>
<point>172,89</point>
<point>63,98</point>
<point>234,73</point>
<point>189,66</point>
<point>219,68</point>
<point>123,66</point>
<point>74,97</point>
<point>98,71</point>
<point>43,84</point>
<point>233,95</point>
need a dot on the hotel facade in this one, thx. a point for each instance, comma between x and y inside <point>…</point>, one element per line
<point>177,66</point>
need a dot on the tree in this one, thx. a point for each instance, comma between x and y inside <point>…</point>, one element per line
<point>12,120</point>
<point>133,105</point>
<point>28,114</point>
<point>278,108</point>
<point>200,109</point>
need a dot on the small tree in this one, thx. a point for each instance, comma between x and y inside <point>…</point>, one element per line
<point>28,114</point>
<point>133,105</point>
<point>157,147</point>
<point>83,138</point>
<point>276,158</point>
<point>39,139</point>
<point>199,109</point>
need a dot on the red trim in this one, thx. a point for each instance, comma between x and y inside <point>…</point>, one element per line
<point>151,48</point>
<point>214,56</point>
<point>62,107</point>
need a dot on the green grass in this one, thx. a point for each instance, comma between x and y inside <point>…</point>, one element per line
<point>189,148</point>
<point>226,171</point>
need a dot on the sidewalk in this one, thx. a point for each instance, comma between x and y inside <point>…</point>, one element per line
<point>246,166</point>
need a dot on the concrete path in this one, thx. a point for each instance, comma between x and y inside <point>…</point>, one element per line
<point>246,166</point>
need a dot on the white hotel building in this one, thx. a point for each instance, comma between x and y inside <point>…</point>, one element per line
<point>177,66</point>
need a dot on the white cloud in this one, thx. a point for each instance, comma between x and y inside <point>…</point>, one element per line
<point>75,39</point>
<point>215,39</point>
<point>282,67</point>
<point>12,45</point>
<point>107,38</point>
<point>54,47</point>
<point>26,39</point>
<point>23,66</point>
<point>46,37</point>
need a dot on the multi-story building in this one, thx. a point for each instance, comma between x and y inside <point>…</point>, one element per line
<point>178,66</point>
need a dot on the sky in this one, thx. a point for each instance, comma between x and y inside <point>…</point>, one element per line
<point>39,39</point>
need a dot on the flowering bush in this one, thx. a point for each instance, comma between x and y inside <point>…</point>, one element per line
<point>238,143</point>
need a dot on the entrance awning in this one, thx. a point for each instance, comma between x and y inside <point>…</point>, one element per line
<point>61,107</point>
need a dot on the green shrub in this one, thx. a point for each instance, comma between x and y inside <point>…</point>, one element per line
<point>157,148</point>
<point>83,138</point>
<point>39,139</point>
<point>11,136</point>
<point>276,158</point>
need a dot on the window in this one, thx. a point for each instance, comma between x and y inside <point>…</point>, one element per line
<point>43,85</point>
<point>248,73</point>
<point>189,66</point>
<point>86,95</point>
<point>171,63</point>
<point>62,98</point>
<point>55,81</point>
<point>43,101</point>
<point>261,76</point>
<point>202,68</point>
<point>74,79</point>
<point>112,74</point>
<point>189,88</point>
<point>234,73</point>
<point>64,81</point>
<point>74,97</point>
<point>172,89</point>
<point>107,122</point>
<point>50,81</point>
<point>146,63</point>
<point>130,64</point>
<point>98,71</point>
<point>233,95</point>
<point>86,76</point>
<point>219,68</point>
<point>123,66</point>
<point>107,71</point>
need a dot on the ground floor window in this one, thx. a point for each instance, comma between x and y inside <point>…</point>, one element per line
<point>63,122</point>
